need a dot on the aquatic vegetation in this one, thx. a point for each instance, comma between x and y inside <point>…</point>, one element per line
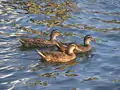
<point>33,8</point>
<point>51,75</point>
<point>116,81</point>
<point>35,31</point>
<point>108,21</point>
<point>90,79</point>
<point>57,12</point>
<point>49,23</point>
<point>68,64</point>
<point>71,75</point>
<point>37,82</point>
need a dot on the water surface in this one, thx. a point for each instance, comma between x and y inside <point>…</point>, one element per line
<point>98,70</point>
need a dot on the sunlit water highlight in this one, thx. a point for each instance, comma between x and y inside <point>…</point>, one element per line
<point>23,70</point>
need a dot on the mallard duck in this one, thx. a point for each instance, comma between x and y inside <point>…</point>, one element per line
<point>39,42</point>
<point>79,48</point>
<point>57,56</point>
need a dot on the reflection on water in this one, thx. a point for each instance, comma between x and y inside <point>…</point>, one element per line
<point>22,68</point>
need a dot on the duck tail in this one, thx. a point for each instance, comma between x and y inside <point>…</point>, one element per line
<point>58,44</point>
<point>40,53</point>
<point>22,41</point>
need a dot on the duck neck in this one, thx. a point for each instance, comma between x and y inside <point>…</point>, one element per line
<point>86,42</point>
<point>71,50</point>
<point>53,38</point>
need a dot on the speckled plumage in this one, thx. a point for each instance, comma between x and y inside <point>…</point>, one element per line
<point>79,48</point>
<point>39,42</point>
<point>57,56</point>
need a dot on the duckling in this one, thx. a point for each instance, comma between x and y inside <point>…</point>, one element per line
<point>79,48</point>
<point>39,42</point>
<point>57,56</point>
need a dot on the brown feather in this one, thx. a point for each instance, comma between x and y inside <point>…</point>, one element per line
<point>63,47</point>
<point>57,56</point>
<point>39,42</point>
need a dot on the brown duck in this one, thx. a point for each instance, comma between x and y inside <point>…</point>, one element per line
<point>57,56</point>
<point>39,42</point>
<point>79,48</point>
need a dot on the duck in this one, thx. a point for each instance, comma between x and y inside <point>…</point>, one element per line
<point>58,56</point>
<point>79,47</point>
<point>40,42</point>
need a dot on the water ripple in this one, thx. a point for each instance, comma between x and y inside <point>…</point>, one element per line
<point>23,69</point>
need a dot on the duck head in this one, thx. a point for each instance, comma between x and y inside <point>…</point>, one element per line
<point>54,34</point>
<point>88,39</point>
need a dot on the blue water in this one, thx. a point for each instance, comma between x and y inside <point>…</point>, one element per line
<point>23,69</point>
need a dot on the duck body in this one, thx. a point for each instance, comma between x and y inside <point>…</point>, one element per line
<point>39,42</point>
<point>57,56</point>
<point>82,48</point>
<point>79,48</point>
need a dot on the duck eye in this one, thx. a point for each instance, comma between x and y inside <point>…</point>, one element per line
<point>89,37</point>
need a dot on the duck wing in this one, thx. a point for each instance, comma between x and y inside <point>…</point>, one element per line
<point>56,56</point>
<point>38,42</point>
<point>82,48</point>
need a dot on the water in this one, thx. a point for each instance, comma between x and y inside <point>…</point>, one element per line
<point>23,69</point>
